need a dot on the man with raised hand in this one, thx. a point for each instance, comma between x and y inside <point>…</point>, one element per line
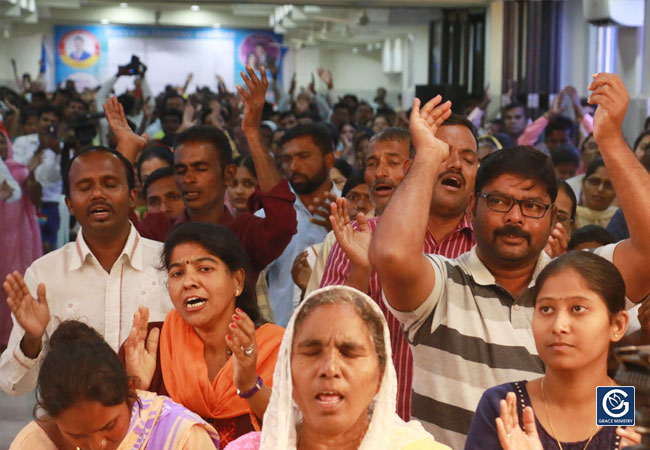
<point>101,278</point>
<point>203,169</point>
<point>468,319</point>
<point>448,232</point>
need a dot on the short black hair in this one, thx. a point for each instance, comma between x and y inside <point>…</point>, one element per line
<point>513,105</point>
<point>49,108</point>
<point>344,167</point>
<point>128,103</point>
<point>156,175</point>
<point>128,168</point>
<point>172,112</point>
<point>590,233</point>
<point>285,114</point>
<point>78,100</point>
<point>457,119</point>
<point>353,181</point>
<point>340,105</point>
<point>26,114</point>
<point>394,134</point>
<point>155,151</point>
<point>565,153</point>
<point>560,123</point>
<point>568,190</point>
<point>211,135</point>
<point>318,134</point>
<point>523,161</point>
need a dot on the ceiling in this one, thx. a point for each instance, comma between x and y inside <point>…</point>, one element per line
<point>328,23</point>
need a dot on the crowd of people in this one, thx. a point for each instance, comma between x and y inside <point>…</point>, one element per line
<point>263,269</point>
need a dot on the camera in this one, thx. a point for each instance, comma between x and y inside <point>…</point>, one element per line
<point>135,67</point>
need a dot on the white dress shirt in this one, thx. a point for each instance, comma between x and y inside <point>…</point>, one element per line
<point>5,175</point>
<point>48,173</point>
<point>78,287</point>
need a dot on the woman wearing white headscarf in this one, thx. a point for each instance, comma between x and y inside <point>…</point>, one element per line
<point>334,383</point>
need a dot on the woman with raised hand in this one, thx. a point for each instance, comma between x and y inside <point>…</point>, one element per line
<point>214,357</point>
<point>579,311</point>
<point>335,384</point>
<point>90,403</point>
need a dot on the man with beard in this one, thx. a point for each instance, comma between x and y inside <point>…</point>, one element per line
<point>307,157</point>
<point>101,278</point>
<point>468,319</point>
<point>448,232</point>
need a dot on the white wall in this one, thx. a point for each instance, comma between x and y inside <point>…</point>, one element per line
<point>26,51</point>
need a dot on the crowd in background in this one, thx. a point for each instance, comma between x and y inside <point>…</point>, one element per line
<point>204,239</point>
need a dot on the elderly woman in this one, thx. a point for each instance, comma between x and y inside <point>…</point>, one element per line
<point>335,384</point>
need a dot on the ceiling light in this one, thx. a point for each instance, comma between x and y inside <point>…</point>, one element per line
<point>124,5</point>
<point>104,21</point>
<point>195,7</point>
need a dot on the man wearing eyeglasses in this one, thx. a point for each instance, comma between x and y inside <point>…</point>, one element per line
<point>468,319</point>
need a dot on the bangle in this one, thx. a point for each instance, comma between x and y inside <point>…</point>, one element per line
<point>253,391</point>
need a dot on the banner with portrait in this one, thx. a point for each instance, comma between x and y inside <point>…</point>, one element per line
<point>90,55</point>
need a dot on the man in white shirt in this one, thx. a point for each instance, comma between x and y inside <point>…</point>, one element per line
<point>42,150</point>
<point>101,278</point>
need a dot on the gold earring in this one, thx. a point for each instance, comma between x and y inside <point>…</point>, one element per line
<point>616,335</point>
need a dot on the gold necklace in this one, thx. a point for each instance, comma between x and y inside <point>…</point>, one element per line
<point>548,417</point>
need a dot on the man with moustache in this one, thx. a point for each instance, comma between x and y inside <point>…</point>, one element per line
<point>101,278</point>
<point>468,319</point>
<point>307,157</point>
<point>203,169</point>
<point>448,232</point>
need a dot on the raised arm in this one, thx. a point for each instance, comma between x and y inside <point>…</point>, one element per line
<point>631,182</point>
<point>254,98</point>
<point>397,247</point>
<point>129,144</point>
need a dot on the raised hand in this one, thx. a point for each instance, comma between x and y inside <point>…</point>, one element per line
<point>511,436</point>
<point>32,315</point>
<point>327,77</point>
<point>424,123</point>
<point>556,108</point>
<point>320,211</point>
<point>558,241</point>
<point>609,93</point>
<point>128,143</point>
<point>629,437</point>
<point>301,271</point>
<point>6,191</point>
<point>354,243</point>
<point>241,342</point>
<point>188,117</point>
<point>253,98</point>
<point>140,351</point>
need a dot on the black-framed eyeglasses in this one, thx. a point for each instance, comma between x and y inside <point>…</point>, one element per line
<point>504,203</point>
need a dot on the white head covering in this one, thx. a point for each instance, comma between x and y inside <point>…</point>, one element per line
<point>386,429</point>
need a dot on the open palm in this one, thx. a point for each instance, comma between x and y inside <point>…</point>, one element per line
<point>354,243</point>
<point>32,314</point>
<point>511,435</point>
<point>140,352</point>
